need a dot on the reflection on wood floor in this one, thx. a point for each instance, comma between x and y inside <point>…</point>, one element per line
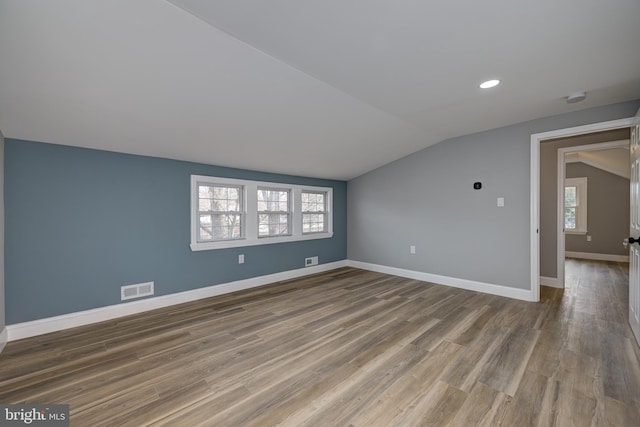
<point>348,347</point>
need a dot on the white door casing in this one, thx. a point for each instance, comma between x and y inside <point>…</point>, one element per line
<point>534,220</point>
<point>634,248</point>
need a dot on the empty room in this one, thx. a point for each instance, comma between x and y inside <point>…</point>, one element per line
<point>321,213</point>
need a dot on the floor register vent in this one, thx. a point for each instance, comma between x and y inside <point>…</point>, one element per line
<point>136,291</point>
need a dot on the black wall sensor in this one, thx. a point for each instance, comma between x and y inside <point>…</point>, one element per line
<point>477,185</point>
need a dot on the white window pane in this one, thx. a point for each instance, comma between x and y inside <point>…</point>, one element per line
<point>570,218</point>
<point>313,202</point>
<point>220,192</point>
<point>205,233</point>
<point>220,227</point>
<point>575,204</point>
<point>226,226</point>
<point>221,205</point>
<point>270,200</point>
<point>220,199</point>
<point>205,191</point>
<point>205,205</point>
<point>313,223</point>
<point>570,196</point>
<point>273,224</point>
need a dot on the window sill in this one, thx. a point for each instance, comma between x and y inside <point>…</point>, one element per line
<point>206,246</point>
<point>575,232</point>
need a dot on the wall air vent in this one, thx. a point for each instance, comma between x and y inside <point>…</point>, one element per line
<point>136,291</point>
<point>308,262</point>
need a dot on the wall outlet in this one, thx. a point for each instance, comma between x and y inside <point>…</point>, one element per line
<point>241,259</point>
<point>500,202</point>
<point>412,249</point>
<point>588,238</point>
<point>308,262</point>
<point>136,291</point>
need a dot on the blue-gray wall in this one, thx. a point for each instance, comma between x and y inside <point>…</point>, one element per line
<point>80,223</point>
<point>427,200</point>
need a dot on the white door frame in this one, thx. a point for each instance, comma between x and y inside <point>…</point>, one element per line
<point>560,199</point>
<point>634,285</point>
<point>536,139</point>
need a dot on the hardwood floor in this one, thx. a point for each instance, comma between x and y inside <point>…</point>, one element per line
<point>348,347</point>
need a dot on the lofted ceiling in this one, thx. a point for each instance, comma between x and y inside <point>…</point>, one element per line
<point>612,160</point>
<point>321,88</point>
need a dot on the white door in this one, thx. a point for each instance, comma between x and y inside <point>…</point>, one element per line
<point>634,247</point>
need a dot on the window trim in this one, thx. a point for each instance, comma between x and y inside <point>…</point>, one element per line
<point>582,206</point>
<point>288,212</point>
<point>241,212</point>
<point>250,214</point>
<point>325,212</point>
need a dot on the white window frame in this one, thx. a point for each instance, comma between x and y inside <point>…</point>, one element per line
<point>287,212</point>
<point>241,212</point>
<point>325,212</point>
<point>581,208</point>
<point>250,194</point>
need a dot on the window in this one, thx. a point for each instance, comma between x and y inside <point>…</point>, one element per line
<point>228,213</point>
<point>273,212</point>
<point>314,212</point>
<point>575,205</point>
<point>219,212</point>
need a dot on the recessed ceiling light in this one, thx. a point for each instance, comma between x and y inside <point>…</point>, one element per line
<point>489,84</point>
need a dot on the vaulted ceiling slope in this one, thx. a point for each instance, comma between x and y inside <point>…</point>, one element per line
<point>322,88</point>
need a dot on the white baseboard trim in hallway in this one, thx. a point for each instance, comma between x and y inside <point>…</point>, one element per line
<point>597,257</point>
<point>489,288</point>
<point>57,323</point>
<point>552,282</point>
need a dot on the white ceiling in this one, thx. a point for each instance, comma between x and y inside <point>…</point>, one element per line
<point>613,160</point>
<point>322,88</point>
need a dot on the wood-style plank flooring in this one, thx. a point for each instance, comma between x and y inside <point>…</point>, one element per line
<point>348,348</point>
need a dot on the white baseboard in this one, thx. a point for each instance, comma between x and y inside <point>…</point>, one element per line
<point>597,257</point>
<point>489,288</point>
<point>51,324</point>
<point>4,337</point>
<point>553,282</point>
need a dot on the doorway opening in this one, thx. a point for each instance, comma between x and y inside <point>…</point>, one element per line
<point>572,223</point>
<point>535,225</point>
